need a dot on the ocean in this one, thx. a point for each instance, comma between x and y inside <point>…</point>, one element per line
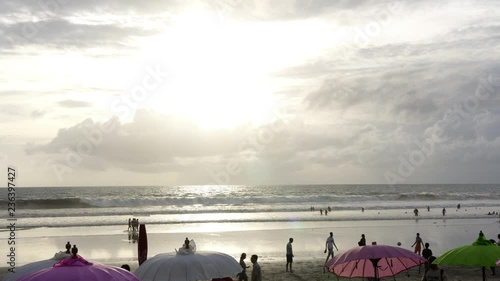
<point>109,206</point>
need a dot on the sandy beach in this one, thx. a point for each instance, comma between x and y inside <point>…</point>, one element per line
<point>111,245</point>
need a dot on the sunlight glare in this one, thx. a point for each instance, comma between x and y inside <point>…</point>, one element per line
<point>217,81</point>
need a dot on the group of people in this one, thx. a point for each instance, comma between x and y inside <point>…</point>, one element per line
<point>133,224</point>
<point>256,271</point>
<point>432,272</point>
<point>330,243</point>
<point>415,211</point>
<point>321,211</point>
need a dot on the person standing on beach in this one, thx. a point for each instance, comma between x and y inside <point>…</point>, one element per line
<point>289,255</point>
<point>242,276</point>
<point>330,242</point>
<point>256,271</point>
<point>426,253</point>
<point>444,211</point>
<point>418,244</point>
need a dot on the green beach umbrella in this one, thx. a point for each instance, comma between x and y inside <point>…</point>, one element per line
<point>481,253</point>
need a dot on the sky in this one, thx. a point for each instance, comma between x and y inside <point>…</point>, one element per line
<point>217,92</point>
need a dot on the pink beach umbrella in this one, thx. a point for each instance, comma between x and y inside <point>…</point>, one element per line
<point>78,269</point>
<point>374,261</point>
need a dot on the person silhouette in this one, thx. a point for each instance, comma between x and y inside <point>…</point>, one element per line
<point>74,252</point>
<point>418,244</point>
<point>68,248</point>
<point>426,253</point>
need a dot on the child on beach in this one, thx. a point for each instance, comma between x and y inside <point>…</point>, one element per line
<point>426,253</point>
<point>418,244</point>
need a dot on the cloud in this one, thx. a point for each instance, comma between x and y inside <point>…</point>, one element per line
<point>37,113</point>
<point>60,33</point>
<point>74,103</point>
<point>150,139</point>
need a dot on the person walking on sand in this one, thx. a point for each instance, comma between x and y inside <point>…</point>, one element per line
<point>256,271</point>
<point>242,276</point>
<point>330,242</point>
<point>289,255</point>
<point>418,244</point>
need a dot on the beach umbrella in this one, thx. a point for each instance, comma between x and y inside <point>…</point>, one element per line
<point>35,266</point>
<point>188,266</point>
<point>78,269</point>
<point>373,261</point>
<point>142,244</point>
<point>481,253</point>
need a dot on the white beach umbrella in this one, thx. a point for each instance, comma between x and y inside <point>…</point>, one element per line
<point>188,267</point>
<point>35,266</point>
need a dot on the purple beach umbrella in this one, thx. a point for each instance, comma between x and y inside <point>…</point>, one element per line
<point>373,261</point>
<point>78,269</point>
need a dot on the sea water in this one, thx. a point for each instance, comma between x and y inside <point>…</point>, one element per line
<point>217,217</point>
<point>184,205</point>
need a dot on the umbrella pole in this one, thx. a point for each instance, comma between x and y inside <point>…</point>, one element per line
<point>375,267</point>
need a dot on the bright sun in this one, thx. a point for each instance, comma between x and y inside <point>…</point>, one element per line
<point>219,78</point>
